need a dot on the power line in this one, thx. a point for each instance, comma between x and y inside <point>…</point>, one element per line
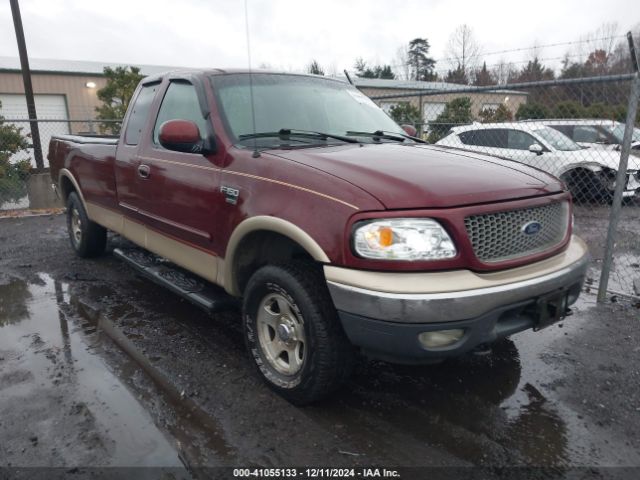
<point>535,47</point>
<point>524,49</point>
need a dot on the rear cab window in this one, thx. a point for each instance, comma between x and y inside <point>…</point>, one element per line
<point>139,113</point>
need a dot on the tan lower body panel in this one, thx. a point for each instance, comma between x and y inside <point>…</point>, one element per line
<point>452,281</point>
<point>193,259</point>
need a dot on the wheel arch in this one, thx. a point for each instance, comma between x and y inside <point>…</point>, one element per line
<point>264,239</point>
<point>592,167</point>
<point>67,184</point>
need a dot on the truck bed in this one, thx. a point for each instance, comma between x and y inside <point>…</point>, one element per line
<point>90,160</point>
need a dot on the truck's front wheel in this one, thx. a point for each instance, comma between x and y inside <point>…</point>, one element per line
<point>293,333</point>
<point>88,239</point>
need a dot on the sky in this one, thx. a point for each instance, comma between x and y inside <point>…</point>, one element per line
<point>287,34</point>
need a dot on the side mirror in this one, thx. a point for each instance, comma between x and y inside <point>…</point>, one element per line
<point>182,136</point>
<point>410,130</point>
<point>536,148</point>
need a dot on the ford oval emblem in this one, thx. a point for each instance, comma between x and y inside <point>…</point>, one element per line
<point>531,228</point>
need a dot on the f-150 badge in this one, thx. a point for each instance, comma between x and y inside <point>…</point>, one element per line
<point>230,194</point>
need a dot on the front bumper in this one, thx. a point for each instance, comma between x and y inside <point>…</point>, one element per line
<point>386,312</point>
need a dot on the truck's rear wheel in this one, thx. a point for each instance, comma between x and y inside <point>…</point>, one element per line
<point>88,239</point>
<point>293,333</point>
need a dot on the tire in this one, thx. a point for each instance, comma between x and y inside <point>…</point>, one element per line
<point>288,307</point>
<point>88,239</point>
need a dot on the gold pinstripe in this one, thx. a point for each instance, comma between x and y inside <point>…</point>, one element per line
<point>255,177</point>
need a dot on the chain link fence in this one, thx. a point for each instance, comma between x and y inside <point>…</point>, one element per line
<point>572,129</point>
<point>17,158</point>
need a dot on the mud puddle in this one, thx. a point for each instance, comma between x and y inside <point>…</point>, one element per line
<point>76,391</point>
<point>495,408</point>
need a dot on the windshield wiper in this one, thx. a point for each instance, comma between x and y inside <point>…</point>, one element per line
<point>386,135</point>
<point>286,133</point>
<point>377,135</point>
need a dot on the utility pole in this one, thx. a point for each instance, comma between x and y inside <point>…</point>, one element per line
<point>28,88</point>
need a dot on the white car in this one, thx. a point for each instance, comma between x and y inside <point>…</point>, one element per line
<point>589,173</point>
<point>593,133</point>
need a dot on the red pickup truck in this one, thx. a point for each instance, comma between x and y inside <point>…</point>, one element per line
<point>298,195</point>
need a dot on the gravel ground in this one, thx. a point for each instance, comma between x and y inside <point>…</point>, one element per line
<point>99,367</point>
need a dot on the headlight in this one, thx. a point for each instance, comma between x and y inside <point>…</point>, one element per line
<point>403,239</point>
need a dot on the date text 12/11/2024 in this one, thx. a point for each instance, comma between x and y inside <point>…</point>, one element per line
<point>309,473</point>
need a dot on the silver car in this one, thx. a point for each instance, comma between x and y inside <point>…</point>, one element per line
<point>589,173</point>
<point>593,133</point>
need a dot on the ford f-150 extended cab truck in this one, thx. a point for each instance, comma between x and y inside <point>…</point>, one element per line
<point>338,231</point>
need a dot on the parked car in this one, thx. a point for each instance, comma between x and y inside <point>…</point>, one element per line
<point>590,174</point>
<point>338,231</point>
<point>593,133</point>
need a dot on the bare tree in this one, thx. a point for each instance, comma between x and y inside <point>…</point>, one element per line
<point>501,72</point>
<point>619,59</point>
<point>603,38</point>
<point>332,69</point>
<point>463,51</point>
<point>401,67</point>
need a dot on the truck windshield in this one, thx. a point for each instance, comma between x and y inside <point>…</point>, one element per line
<point>298,102</point>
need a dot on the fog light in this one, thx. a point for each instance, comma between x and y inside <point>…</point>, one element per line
<point>440,338</point>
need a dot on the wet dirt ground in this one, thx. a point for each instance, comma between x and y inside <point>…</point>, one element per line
<point>99,367</point>
<point>592,222</point>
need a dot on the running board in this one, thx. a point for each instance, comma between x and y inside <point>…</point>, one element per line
<point>190,287</point>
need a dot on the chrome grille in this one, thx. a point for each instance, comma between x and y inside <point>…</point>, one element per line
<point>500,236</point>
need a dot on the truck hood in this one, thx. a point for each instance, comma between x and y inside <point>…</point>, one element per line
<point>426,176</point>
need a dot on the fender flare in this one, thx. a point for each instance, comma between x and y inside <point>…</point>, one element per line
<point>267,224</point>
<point>65,173</point>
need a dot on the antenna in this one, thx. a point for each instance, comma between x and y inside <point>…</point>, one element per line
<point>346,74</point>
<point>256,153</point>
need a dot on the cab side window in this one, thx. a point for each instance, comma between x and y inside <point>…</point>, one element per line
<point>180,102</point>
<point>139,114</point>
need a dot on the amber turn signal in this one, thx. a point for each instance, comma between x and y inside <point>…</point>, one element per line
<point>385,236</point>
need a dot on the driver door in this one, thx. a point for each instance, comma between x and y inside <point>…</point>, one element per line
<point>180,193</point>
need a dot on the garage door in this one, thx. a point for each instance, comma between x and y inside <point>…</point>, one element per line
<point>48,107</point>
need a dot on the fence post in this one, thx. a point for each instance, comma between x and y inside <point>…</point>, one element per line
<point>621,177</point>
<point>421,120</point>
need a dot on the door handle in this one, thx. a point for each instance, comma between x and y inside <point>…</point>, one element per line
<point>144,171</point>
